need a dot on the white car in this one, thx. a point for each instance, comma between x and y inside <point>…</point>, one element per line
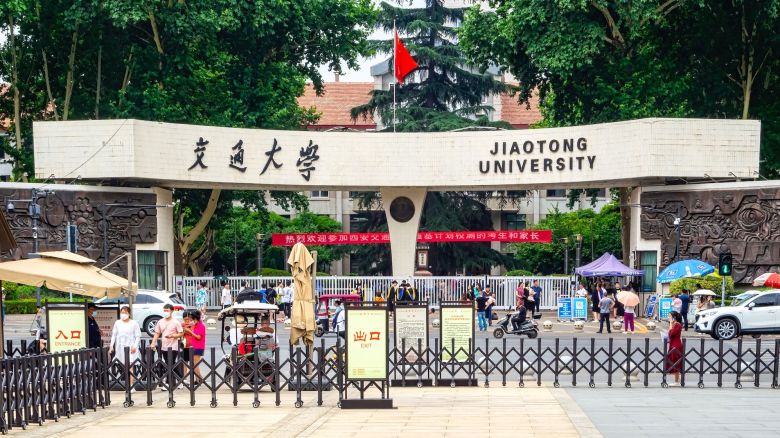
<point>752,312</point>
<point>148,307</point>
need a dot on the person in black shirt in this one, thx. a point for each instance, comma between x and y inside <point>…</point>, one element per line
<point>519,317</point>
<point>481,306</point>
<point>95,340</point>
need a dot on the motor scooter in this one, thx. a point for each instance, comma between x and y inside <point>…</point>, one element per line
<point>527,327</point>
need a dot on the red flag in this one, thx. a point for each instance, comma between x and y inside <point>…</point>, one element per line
<point>404,63</point>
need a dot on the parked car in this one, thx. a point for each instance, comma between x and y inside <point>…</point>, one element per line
<point>148,307</point>
<point>752,312</point>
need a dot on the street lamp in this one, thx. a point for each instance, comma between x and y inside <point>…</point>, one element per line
<point>259,240</point>
<point>578,237</point>
<point>566,255</point>
<point>34,210</point>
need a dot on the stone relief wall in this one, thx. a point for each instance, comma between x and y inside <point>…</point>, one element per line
<point>91,212</point>
<point>744,222</point>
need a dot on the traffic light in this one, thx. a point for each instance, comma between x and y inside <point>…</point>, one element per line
<point>724,264</point>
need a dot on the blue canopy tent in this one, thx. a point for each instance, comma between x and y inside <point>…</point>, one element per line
<point>607,266</point>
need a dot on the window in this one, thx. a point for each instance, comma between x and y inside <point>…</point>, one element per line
<point>648,262</point>
<point>514,221</point>
<point>766,300</point>
<point>556,193</point>
<point>319,194</point>
<point>358,223</point>
<point>152,270</point>
<point>601,193</point>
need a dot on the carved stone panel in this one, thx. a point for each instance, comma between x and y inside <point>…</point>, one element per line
<point>744,222</point>
<point>109,224</point>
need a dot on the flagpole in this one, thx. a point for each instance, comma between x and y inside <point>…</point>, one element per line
<point>395,79</point>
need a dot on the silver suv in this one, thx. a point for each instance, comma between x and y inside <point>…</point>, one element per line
<point>148,307</point>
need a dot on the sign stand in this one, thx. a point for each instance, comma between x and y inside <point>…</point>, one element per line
<point>456,346</point>
<point>367,350</point>
<point>67,327</point>
<point>410,333</point>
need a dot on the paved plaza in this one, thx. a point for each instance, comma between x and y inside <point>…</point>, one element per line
<point>450,412</point>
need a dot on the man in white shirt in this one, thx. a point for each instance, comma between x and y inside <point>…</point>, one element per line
<point>582,292</point>
<point>339,319</point>
<point>227,296</point>
<point>287,298</point>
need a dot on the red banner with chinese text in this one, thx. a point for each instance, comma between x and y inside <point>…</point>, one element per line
<point>522,236</point>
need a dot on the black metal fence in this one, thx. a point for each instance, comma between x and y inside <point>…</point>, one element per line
<point>49,386</point>
<point>36,388</point>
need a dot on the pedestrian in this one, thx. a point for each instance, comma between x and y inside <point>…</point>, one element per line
<point>168,330</point>
<point>595,298</point>
<point>339,320</point>
<point>677,303</point>
<point>628,320</point>
<point>126,334</point>
<point>263,293</point>
<point>195,341</point>
<point>358,290</point>
<point>519,294</point>
<point>270,294</point>
<point>201,297</point>
<point>675,346</point>
<point>392,294</point>
<point>489,305</point>
<point>534,298</point>
<point>605,309</point>
<point>582,292</point>
<point>287,295</point>
<point>227,295</point>
<point>95,339</point>
<point>685,300</point>
<point>481,302</point>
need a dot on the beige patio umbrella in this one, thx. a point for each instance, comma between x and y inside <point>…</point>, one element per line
<point>67,272</point>
<point>302,321</point>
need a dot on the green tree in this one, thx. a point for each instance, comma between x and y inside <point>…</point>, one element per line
<point>445,94</point>
<point>600,231</point>
<point>206,62</point>
<point>448,93</point>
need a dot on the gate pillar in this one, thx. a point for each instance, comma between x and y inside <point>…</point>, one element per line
<point>403,208</point>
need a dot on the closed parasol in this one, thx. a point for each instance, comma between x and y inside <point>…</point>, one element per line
<point>628,298</point>
<point>302,321</point>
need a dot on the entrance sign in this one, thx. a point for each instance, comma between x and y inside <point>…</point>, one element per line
<point>366,333</point>
<point>664,307</point>
<point>457,323</point>
<point>197,156</point>
<point>523,236</point>
<point>565,312</point>
<point>106,316</point>
<point>651,302</point>
<point>580,308</point>
<point>411,330</point>
<point>67,327</point>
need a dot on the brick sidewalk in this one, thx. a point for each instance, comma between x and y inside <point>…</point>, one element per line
<point>449,412</point>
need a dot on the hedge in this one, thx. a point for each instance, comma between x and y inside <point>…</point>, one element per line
<point>271,272</point>
<point>519,273</point>
<point>26,306</point>
<point>710,282</point>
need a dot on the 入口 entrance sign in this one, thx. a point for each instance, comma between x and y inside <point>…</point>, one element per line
<point>66,327</point>
<point>630,153</point>
<point>366,339</point>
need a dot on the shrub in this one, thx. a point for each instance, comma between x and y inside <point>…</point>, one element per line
<point>26,306</point>
<point>710,282</point>
<point>15,291</point>
<point>519,273</point>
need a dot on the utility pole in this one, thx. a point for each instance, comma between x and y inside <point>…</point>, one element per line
<point>566,255</point>
<point>235,251</point>
<point>578,237</point>
<point>259,242</point>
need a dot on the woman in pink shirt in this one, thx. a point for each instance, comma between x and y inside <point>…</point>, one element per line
<point>195,340</point>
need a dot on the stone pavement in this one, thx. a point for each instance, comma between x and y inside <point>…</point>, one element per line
<point>443,411</point>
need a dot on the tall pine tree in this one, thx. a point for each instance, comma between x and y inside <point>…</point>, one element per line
<point>442,94</point>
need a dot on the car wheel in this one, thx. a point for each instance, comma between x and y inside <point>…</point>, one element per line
<point>726,329</point>
<point>150,324</point>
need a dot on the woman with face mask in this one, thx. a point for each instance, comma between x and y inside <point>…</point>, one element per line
<point>126,333</point>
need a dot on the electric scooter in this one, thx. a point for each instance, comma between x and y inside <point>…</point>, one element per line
<point>527,327</point>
